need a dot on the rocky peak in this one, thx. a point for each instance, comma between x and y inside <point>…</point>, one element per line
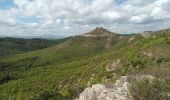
<point>147,34</point>
<point>98,32</point>
<point>100,29</point>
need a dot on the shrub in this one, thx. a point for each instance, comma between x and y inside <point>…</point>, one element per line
<point>5,78</point>
<point>147,89</point>
<point>48,95</point>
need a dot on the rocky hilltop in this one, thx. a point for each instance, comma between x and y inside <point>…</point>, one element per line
<point>147,34</point>
<point>99,32</point>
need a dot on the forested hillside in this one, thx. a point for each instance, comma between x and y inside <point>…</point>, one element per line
<point>62,71</point>
<point>10,46</point>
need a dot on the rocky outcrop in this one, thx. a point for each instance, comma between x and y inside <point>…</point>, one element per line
<point>99,32</point>
<point>131,39</point>
<point>149,54</point>
<point>146,34</point>
<point>101,92</point>
<point>108,43</point>
<point>114,65</point>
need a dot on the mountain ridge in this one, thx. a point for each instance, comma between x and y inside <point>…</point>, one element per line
<point>99,32</point>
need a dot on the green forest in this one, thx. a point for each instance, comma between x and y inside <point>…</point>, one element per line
<point>39,69</point>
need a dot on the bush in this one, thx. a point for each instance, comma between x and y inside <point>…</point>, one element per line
<point>65,93</point>
<point>147,89</point>
<point>5,78</point>
<point>48,95</point>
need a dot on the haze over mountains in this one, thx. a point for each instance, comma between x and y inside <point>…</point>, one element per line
<point>100,30</point>
<point>32,37</point>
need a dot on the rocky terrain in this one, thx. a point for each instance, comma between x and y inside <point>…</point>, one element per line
<point>119,90</point>
<point>102,92</point>
<point>99,32</point>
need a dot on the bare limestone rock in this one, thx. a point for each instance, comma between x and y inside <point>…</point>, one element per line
<point>99,32</point>
<point>146,34</point>
<point>131,39</point>
<point>91,93</point>
<point>101,92</point>
<point>149,54</point>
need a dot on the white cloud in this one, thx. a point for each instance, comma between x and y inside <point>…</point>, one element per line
<point>112,15</point>
<point>7,17</point>
<point>76,16</point>
<point>139,19</point>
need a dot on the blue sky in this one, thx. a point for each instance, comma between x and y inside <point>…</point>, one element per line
<point>56,18</point>
<point>9,4</point>
<point>120,1</point>
<point>28,19</point>
<point>6,4</point>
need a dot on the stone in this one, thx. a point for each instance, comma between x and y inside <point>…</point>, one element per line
<point>101,92</point>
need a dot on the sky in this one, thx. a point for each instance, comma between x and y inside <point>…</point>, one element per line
<point>33,18</point>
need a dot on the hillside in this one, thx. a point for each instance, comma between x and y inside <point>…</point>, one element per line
<point>64,70</point>
<point>10,46</point>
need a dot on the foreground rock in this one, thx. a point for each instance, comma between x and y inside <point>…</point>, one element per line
<point>101,92</point>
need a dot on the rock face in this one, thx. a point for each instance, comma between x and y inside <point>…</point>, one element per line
<point>99,32</point>
<point>101,92</point>
<point>148,34</point>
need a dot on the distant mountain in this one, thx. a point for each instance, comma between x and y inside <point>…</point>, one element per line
<point>64,68</point>
<point>99,32</point>
<point>51,37</point>
<point>10,46</point>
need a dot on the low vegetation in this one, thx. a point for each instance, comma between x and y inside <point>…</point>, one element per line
<point>63,70</point>
<point>149,89</point>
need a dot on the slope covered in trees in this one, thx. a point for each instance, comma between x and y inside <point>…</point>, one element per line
<point>10,46</point>
<point>65,69</point>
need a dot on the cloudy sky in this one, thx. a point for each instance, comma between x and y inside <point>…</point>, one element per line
<point>72,17</point>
